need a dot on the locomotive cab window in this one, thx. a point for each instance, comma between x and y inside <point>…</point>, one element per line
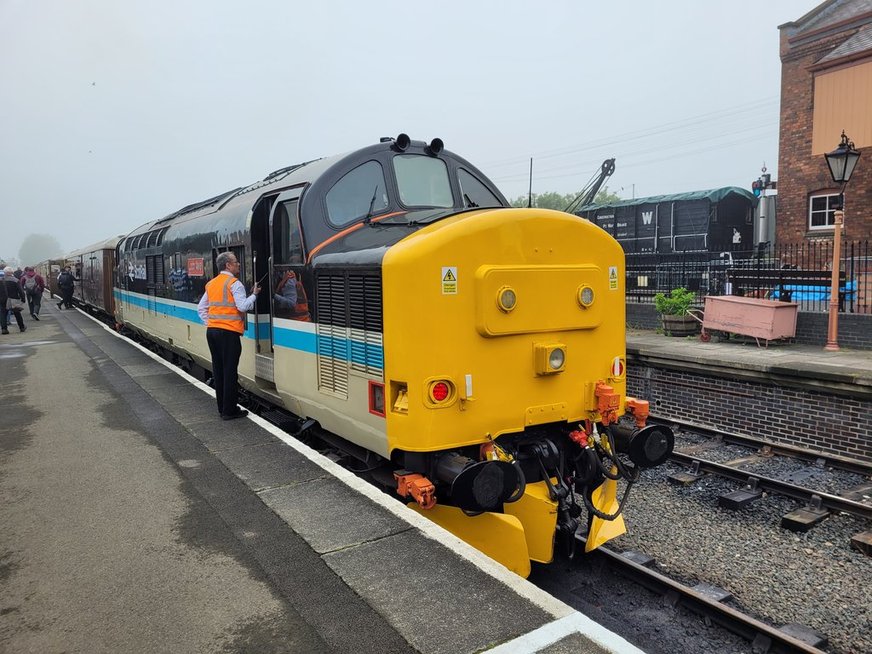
<point>359,193</point>
<point>289,298</point>
<point>287,242</point>
<point>474,192</point>
<point>423,181</point>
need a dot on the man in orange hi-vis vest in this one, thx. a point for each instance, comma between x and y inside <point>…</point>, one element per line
<point>223,308</point>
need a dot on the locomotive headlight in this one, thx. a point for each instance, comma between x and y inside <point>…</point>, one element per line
<point>585,296</point>
<point>506,299</point>
<point>550,358</point>
<point>556,359</point>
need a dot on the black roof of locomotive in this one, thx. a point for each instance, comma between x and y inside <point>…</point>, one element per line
<point>232,208</point>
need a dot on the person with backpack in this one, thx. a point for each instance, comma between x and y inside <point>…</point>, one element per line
<point>11,297</point>
<point>65,286</point>
<point>33,285</point>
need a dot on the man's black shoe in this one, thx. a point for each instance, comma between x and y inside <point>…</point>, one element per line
<point>239,414</point>
<point>35,317</point>
<point>59,305</point>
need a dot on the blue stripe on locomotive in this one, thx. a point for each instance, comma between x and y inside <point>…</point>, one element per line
<point>339,348</point>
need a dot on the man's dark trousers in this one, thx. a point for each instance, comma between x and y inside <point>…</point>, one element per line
<point>226,347</point>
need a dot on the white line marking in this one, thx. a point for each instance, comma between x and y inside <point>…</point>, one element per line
<point>553,631</point>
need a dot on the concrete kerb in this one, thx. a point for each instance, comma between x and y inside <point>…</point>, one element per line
<point>566,620</point>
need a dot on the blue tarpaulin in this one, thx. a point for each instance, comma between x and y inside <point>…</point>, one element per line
<point>799,293</point>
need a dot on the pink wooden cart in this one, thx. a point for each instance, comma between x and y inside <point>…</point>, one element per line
<point>765,320</point>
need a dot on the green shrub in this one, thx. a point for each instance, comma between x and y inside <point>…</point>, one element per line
<point>676,303</point>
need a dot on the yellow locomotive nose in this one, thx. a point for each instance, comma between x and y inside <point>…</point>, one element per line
<point>500,330</point>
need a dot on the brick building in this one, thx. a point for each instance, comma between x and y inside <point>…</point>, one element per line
<point>826,87</point>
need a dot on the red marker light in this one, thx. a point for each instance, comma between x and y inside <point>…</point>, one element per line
<point>440,391</point>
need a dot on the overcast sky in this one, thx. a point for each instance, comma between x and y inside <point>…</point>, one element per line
<point>116,112</point>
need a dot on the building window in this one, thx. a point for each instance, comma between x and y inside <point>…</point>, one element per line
<point>821,211</point>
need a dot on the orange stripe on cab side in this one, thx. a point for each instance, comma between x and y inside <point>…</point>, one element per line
<point>348,230</point>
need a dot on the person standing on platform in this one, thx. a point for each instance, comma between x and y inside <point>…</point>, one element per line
<point>223,308</point>
<point>66,282</point>
<point>33,285</point>
<point>11,299</point>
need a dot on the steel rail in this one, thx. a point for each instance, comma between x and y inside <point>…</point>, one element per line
<point>832,460</point>
<point>832,502</point>
<point>763,636</point>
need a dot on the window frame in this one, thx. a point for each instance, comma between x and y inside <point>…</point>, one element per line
<point>377,210</point>
<point>400,187</point>
<point>461,171</point>
<point>829,212</point>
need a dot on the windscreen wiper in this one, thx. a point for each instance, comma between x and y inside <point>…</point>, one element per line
<point>367,219</point>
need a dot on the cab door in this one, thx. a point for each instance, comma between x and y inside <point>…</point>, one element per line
<point>288,298</point>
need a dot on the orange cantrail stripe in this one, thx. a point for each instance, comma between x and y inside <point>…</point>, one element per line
<point>348,230</point>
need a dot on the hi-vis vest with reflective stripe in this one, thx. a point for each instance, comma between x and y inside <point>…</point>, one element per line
<point>223,313</point>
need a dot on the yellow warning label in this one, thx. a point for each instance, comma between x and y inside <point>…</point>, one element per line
<point>613,278</point>
<point>449,280</point>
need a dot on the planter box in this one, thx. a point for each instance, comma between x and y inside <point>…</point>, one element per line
<point>754,317</point>
<point>680,325</point>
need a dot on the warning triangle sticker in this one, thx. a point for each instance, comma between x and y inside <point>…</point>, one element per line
<point>449,276</point>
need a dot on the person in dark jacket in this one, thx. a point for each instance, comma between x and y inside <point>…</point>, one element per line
<point>33,285</point>
<point>11,297</point>
<point>66,282</point>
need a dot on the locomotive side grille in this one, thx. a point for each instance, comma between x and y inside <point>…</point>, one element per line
<point>332,314</point>
<point>332,365</point>
<point>349,326</point>
<point>365,324</point>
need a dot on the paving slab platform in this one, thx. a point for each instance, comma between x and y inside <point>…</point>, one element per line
<point>134,519</point>
<point>846,371</point>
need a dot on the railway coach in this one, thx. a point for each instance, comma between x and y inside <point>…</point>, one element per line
<point>474,351</point>
<point>93,267</point>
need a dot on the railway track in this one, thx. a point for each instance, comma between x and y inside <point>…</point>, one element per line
<point>708,602</point>
<point>755,483</point>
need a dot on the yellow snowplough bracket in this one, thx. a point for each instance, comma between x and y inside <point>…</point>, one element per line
<point>605,499</point>
<point>499,536</point>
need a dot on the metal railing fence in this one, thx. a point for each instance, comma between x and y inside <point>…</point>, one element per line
<point>708,273</point>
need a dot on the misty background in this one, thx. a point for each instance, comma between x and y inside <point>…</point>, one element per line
<point>117,113</point>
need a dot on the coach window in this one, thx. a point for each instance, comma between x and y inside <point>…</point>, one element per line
<point>423,181</point>
<point>474,192</point>
<point>821,210</point>
<point>352,196</point>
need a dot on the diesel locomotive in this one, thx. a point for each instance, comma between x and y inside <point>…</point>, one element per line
<point>474,350</point>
